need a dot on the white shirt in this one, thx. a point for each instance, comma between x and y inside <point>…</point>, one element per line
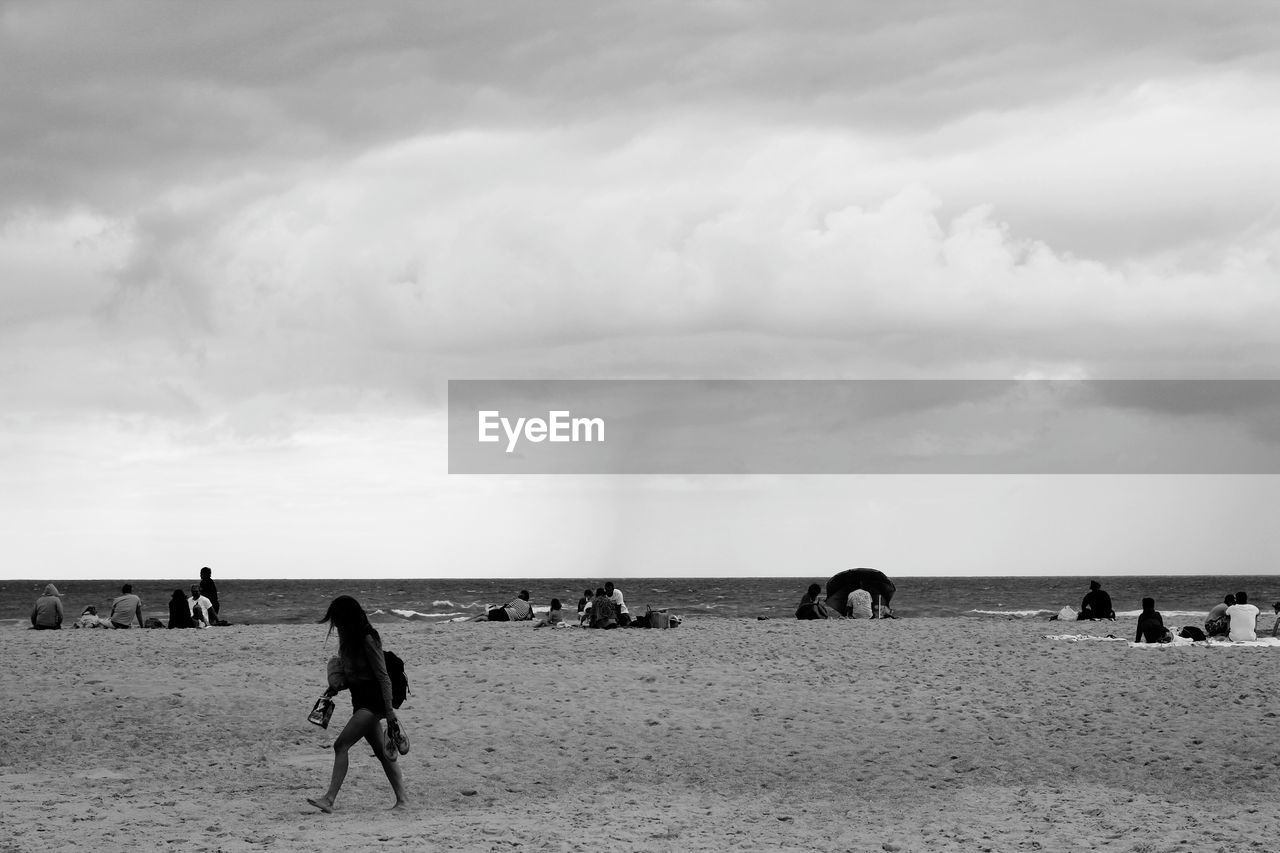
<point>203,603</point>
<point>617,599</point>
<point>1244,621</point>
<point>859,604</point>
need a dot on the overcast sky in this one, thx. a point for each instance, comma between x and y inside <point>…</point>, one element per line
<point>243,246</point>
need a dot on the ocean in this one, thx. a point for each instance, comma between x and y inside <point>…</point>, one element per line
<point>1181,598</point>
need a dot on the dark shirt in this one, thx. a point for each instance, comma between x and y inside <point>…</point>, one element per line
<point>209,590</point>
<point>603,611</point>
<point>180,614</point>
<point>811,608</point>
<point>1150,628</point>
<point>1097,605</point>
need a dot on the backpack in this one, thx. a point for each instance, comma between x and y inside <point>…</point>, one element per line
<point>399,682</point>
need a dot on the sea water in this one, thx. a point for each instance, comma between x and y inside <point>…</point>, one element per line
<point>1179,597</point>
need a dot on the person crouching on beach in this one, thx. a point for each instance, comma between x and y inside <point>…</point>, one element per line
<point>364,671</point>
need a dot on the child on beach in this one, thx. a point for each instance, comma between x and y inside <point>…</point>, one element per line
<point>555,616</point>
<point>364,673</point>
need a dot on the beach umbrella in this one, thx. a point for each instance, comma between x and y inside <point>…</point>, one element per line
<point>872,580</point>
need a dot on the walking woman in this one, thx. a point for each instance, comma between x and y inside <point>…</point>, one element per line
<point>365,673</point>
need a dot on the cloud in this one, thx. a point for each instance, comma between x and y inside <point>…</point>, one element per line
<point>223,225</point>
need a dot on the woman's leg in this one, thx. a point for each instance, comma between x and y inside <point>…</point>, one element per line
<point>389,765</point>
<point>357,727</point>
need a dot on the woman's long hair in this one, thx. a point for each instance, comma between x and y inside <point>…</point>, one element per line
<point>1148,605</point>
<point>346,614</point>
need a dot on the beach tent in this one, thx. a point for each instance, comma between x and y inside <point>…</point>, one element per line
<point>873,581</point>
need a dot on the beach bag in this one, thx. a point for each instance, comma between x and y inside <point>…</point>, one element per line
<point>1191,632</point>
<point>321,712</point>
<point>399,681</point>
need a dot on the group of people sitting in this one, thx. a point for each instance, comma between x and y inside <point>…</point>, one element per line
<point>859,605</point>
<point>604,608</point>
<point>199,610</point>
<point>1235,619</point>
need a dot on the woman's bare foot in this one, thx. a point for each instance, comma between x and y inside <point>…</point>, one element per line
<point>400,806</point>
<point>324,804</point>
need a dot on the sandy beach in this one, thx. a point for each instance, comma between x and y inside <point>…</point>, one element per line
<point>907,735</point>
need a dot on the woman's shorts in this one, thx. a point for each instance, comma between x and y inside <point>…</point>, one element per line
<point>368,695</point>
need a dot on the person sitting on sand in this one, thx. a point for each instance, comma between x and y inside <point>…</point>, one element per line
<point>1244,620</point>
<point>201,608</point>
<point>1275,628</point>
<point>125,608</point>
<point>89,619</point>
<point>858,605</point>
<point>180,611</point>
<point>47,614</point>
<point>517,609</point>
<point>1216,621</point>
<point>584,608</point>
<point>624,615</point>
<point>1151,627</point>
<point>364,673</point>
<point>811,606</point>
<point>1096,604</point>
<point>603,611</point>
<point>555,616</point>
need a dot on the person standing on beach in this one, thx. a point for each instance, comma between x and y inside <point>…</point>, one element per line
<point>1244,620</point>
<point>47,614</point>
<point>125,608</point>
<point>364,670</point>
<point>1096,604</point>
<point>209,590</point>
